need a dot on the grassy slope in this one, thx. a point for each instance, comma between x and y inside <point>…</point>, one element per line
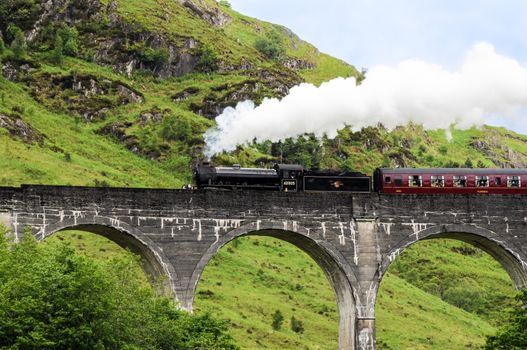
<point>93,157</point>
<point>273,275</point>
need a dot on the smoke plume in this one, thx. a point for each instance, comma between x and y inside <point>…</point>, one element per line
<point>485,86</point>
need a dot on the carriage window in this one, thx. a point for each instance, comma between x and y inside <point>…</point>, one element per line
<point>398,181</point>
<point>497,181</point>
<point>388,180</point>
<point>460,181</point>
<point>513,181</point>
<point>415,181</point>
<point>482,181</point>
<point>437,181</point>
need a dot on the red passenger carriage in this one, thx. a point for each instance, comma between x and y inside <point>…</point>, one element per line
<point>450,180</point>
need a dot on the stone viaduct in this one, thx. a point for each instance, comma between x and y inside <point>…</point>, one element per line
<point>353,238</point>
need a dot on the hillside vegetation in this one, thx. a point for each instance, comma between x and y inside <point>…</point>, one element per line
<point>120,92</point>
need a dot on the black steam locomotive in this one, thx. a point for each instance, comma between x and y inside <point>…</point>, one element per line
<point>283,177</point>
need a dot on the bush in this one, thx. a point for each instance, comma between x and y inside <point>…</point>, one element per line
<point>271,47</point>
<point>512,336</point>
<point>176,128</point>
<point>70,38</point>
<point>225,3</point>
<point>297,326</point>
<point>58,48</point>
<point>278,319</point>
<point>2,46</point>
<point>19,45</point>
<point>149,55</point>
<point>59,299</point>
<point>208,60</point>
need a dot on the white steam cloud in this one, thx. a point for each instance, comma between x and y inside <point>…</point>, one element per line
<point>486,85</point>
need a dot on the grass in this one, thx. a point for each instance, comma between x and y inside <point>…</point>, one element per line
<point>274,275</point>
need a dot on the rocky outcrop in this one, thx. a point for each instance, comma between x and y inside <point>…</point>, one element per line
<point>153,116</point>
<point>16,70</point>
<point>503,156</point>
<point>70,12</point>
<point>84,95</point>
<point>185,94</point>
<point>261,83</point>
<point>17,128</point>
<point>298,64</point>
<point>212,14</point>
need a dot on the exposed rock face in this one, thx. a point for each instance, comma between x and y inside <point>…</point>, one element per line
<point>16,71</point>
<point>17,128</point>
<point>118,131</point>
<point>67,11</point>
<point>500,154</point>
<point>261,83</point>
<point>185,94</point>
<point>298,64</point>
<point>214,15</point>
<point>85,95</point>
<point>171,60</point>
<point>153,116</point>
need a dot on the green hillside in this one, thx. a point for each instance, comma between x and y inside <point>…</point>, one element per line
<point>120,92</point>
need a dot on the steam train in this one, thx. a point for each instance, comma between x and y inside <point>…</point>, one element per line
<point>295,178</point>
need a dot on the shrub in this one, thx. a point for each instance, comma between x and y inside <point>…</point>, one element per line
<point>278,319</point>
<point>224,3</point>
<point>59,299</point>
<point>208,60</point>
<point>150,55</point>
<point>513,335</point>
<point>176,128</point>
<point>297,326</point>
<point>70,38</point>
<point>271,47</point>
<point>58,48</point>
<point>19,45</point>
<point>2,46</point>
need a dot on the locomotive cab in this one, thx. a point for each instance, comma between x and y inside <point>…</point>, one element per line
<point>290,176</point>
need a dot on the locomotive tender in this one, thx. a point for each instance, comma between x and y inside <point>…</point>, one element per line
<point>292,177</point>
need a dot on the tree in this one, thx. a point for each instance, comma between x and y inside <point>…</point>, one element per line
<point>58,49</point>
<point>2,45</point>
<point>19,46</point>
<point>70,38</point>
<point>512,336</point>
<point>278,319</point>
<point>55,298</point>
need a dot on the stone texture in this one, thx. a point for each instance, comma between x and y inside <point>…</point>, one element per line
<point>354,238</point>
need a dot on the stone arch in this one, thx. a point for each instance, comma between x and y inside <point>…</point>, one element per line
<point>508,256</point>
<point>335,267</point>
<point>155,263</point>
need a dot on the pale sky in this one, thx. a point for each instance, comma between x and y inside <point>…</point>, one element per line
<point>372,32</point>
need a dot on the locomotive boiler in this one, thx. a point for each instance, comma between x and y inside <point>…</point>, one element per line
<point>282,177</point>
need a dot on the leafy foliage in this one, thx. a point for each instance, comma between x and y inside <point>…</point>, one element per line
<point>19,45</point>
<point>70,38</point>
<point>297,326</point>
<point>208,59</point>
<point>54,298</point>
<point>513,336</point>
<point>2,45</point>
<point>278,319</point>
<point>58,48</point>
<point>21,13</point>
<point>272,46</point>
